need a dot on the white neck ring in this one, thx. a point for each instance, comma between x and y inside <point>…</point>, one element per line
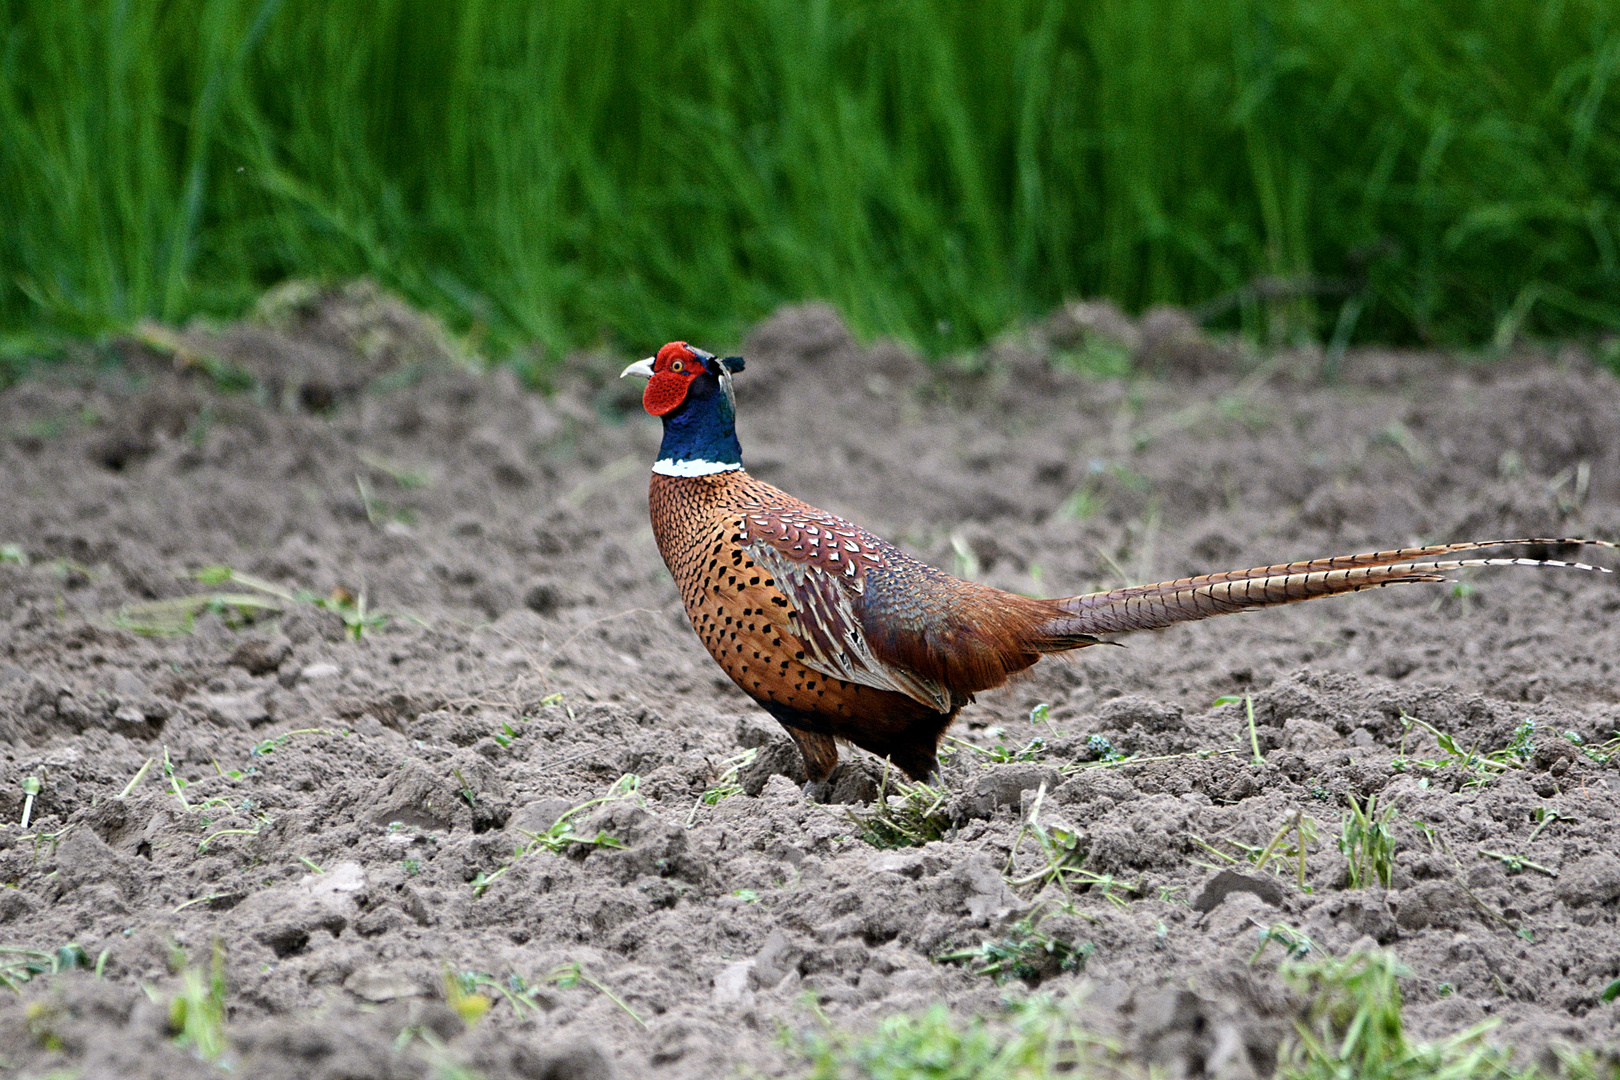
<point>698,467</point>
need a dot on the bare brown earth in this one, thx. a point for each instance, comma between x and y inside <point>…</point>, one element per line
<point>534,652</point>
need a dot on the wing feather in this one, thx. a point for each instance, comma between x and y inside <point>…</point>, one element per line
<point>819,564</point>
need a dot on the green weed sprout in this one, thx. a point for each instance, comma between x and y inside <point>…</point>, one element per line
<point>1366,842</point>
<point>561,835</point>
<point>912,816</point>
<point>1353,1028</point>
<point>197,1012</point>
<point>572,974</point>
<point>1023,953</point>
<point>1482,768</point>
<point>725,785</point>
<point>1033,1039</point>
<point>18,966</point>
<point>1062,851</point>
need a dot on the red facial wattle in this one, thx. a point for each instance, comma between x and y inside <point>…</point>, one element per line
<point>673,371</point>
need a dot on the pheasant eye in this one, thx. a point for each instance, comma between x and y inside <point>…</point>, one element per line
<point>677,366</point>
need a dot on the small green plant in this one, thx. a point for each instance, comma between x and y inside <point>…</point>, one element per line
<point>140,774</point>
<point>197,1012</point>
<point>913,815</point>
<point>1290,843</point>
<point>202,845</point>
<point>379,513</point>
<point>1085,503</point>
<point>165,618</point>
<point>1001,754</point>
<point>1463,592</point>
<point>1522,747</point>
<point>1023,953</point>
<point>1518,863</point>
<point>464,789</point>
<point>561,835</point>
<point>31,787</point>
<point>1353,1028</point>
<point>14,554</point>
<point>403,476</point>
<point>233,775</point>
<point>1367,843</point>
<point>1296,944</point>
<point>1032,1039</point>
<point>725,785</point>
<point>567,976</point>
<point>18,966</point>
<point>178,615</point>
<point>271,745</point>
<point>1299,828</point>
<point>966,560</point>
<point>462,994</point>
<point>357,618</point>
<point>1103,749</point>
<point>177,784</point>
<point>1602,753</point>
<point>222,373</point>
<point>1062,852</point>
<point>1482,768</point>
<point>1098,356</point>
<point>1544,816</point>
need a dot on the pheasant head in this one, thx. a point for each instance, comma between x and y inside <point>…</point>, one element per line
<point>690,391</point>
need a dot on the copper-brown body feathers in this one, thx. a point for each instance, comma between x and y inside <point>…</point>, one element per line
<point>839,634</point>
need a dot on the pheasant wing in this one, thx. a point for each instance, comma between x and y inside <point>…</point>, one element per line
<point>819,562</point>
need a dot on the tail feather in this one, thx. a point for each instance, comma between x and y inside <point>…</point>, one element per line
<point>1151,607</point>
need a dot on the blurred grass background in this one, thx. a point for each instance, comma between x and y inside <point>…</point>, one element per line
<point>570,174</point>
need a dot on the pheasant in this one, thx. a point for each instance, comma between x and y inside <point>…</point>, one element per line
<point>841,635</point>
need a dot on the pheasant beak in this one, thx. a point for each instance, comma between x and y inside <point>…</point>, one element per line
<point>644,368</point>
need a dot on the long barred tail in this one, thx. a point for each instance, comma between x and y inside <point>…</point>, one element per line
<point>1150,607</point>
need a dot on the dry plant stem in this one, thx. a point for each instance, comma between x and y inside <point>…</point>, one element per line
<point>1516,862</point>
<point>1552,816</point>
<point>1302,830</point>
<point>571,973</point>
<point>31,788</point>
<point>136,779</point>
<point>1254,736</point>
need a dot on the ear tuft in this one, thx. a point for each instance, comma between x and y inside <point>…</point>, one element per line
<point>733,364</point>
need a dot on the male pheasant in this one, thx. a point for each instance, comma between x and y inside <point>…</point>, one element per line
<point>841,635</point>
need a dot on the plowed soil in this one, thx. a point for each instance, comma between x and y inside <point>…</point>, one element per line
<point>436,622</point>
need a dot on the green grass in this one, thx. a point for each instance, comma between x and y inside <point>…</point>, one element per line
<point>1350,1026</point>
<point>197,1012</point>
<point>1037,1038</point>
<point>1367,843</point>
<point>576,173</point>
<point>1022,952</point>
<point>905,814</point>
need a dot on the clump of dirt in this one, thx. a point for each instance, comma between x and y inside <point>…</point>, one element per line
<point>324,654</point>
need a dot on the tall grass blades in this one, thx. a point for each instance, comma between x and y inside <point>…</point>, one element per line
<point>568,172</point>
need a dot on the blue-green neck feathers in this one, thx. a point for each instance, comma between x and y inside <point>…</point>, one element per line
<point>700,437</point>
